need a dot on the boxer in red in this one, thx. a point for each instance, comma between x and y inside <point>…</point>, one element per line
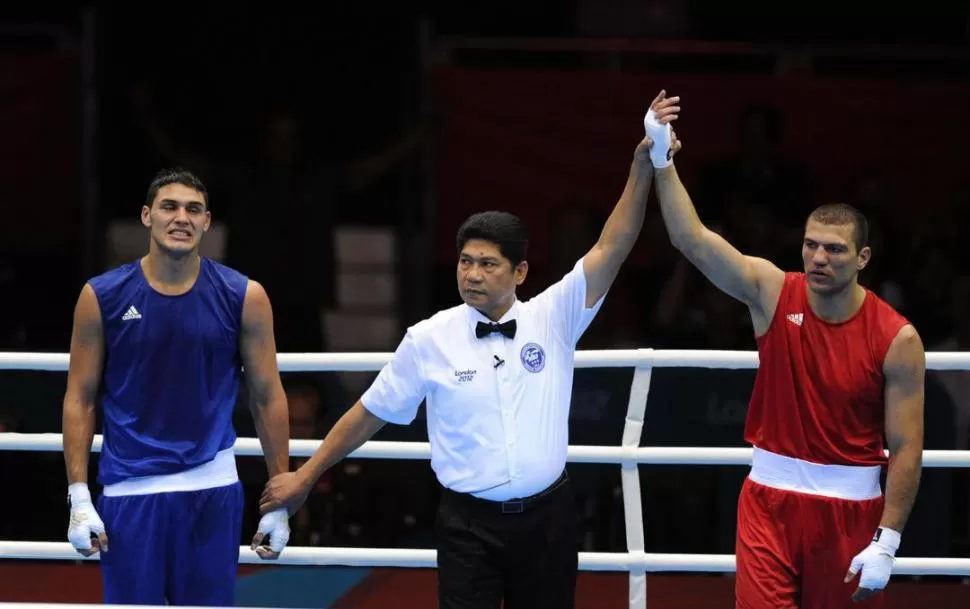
<point>840,370</point>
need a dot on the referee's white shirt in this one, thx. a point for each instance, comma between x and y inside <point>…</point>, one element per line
<point>497,430</point>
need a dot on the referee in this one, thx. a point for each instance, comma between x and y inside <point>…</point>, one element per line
<point>496,374</point>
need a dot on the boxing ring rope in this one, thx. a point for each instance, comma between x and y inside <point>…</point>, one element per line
<point>628,455</point>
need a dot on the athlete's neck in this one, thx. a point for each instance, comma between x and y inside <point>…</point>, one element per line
<point>838,307</point>
<point>171,275</point>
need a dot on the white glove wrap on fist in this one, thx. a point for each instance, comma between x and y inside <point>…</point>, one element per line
<point>276,524</point>
<point>876,561</point>
<point>660,134</point>
<point>84,518</point>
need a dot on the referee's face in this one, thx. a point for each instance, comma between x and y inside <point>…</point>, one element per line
<point>487,279</point>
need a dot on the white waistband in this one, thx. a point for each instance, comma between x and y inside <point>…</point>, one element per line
<point>840,481</point>
<point>221,471</point>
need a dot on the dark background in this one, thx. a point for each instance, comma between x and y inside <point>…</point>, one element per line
<point>342,146</point>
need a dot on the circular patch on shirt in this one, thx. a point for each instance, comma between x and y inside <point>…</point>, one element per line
<point>533,357</point>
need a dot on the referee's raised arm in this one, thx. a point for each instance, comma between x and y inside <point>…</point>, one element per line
<point>602,263</point>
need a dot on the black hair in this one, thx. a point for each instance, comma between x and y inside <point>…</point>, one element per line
<point>501,228</point>
<point>166,177</point>
<point>843,213</point>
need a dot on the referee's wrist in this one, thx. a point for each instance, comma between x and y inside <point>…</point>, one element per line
<point>306,475</point>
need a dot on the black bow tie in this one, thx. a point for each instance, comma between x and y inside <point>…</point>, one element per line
<point>483,329</point>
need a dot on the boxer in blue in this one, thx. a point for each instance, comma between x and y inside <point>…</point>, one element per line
<point>161,344</point>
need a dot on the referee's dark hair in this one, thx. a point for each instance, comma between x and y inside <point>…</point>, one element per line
<point>501,228</point>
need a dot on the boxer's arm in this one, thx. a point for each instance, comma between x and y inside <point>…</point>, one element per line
<point>267,400</point>
<point>754,281</point>
<point>83,381</point>
<point>905,368</point>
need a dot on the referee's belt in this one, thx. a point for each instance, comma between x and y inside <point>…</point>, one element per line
<point>512,506</point>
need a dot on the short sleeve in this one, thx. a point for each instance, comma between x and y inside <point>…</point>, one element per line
<point>399,388</point>
<point>565,302</point>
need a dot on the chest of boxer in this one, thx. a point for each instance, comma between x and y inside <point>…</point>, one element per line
<point>820,385</point>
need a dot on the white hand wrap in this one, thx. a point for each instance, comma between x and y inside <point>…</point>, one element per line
<point>876,561</point>
<point>660,134</point>
<point>84,518</point>
<point>276,524</point>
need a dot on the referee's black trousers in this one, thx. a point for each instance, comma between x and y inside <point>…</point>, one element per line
<point>525,552</point>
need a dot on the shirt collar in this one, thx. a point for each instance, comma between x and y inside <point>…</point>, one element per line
<point>474,315</point>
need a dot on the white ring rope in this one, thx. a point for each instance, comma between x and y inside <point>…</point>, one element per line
<point>615,358</point>
<point>644,455</point>
<point>387,557</point>
<point>635,561</point>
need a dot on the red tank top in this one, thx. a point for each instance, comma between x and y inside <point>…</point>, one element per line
<point>818,394</point>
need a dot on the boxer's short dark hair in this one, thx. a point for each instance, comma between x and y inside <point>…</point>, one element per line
<point>166,177</point>
<point>841,214</point>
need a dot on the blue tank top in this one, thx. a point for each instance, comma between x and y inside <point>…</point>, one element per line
<point>171,371</point>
